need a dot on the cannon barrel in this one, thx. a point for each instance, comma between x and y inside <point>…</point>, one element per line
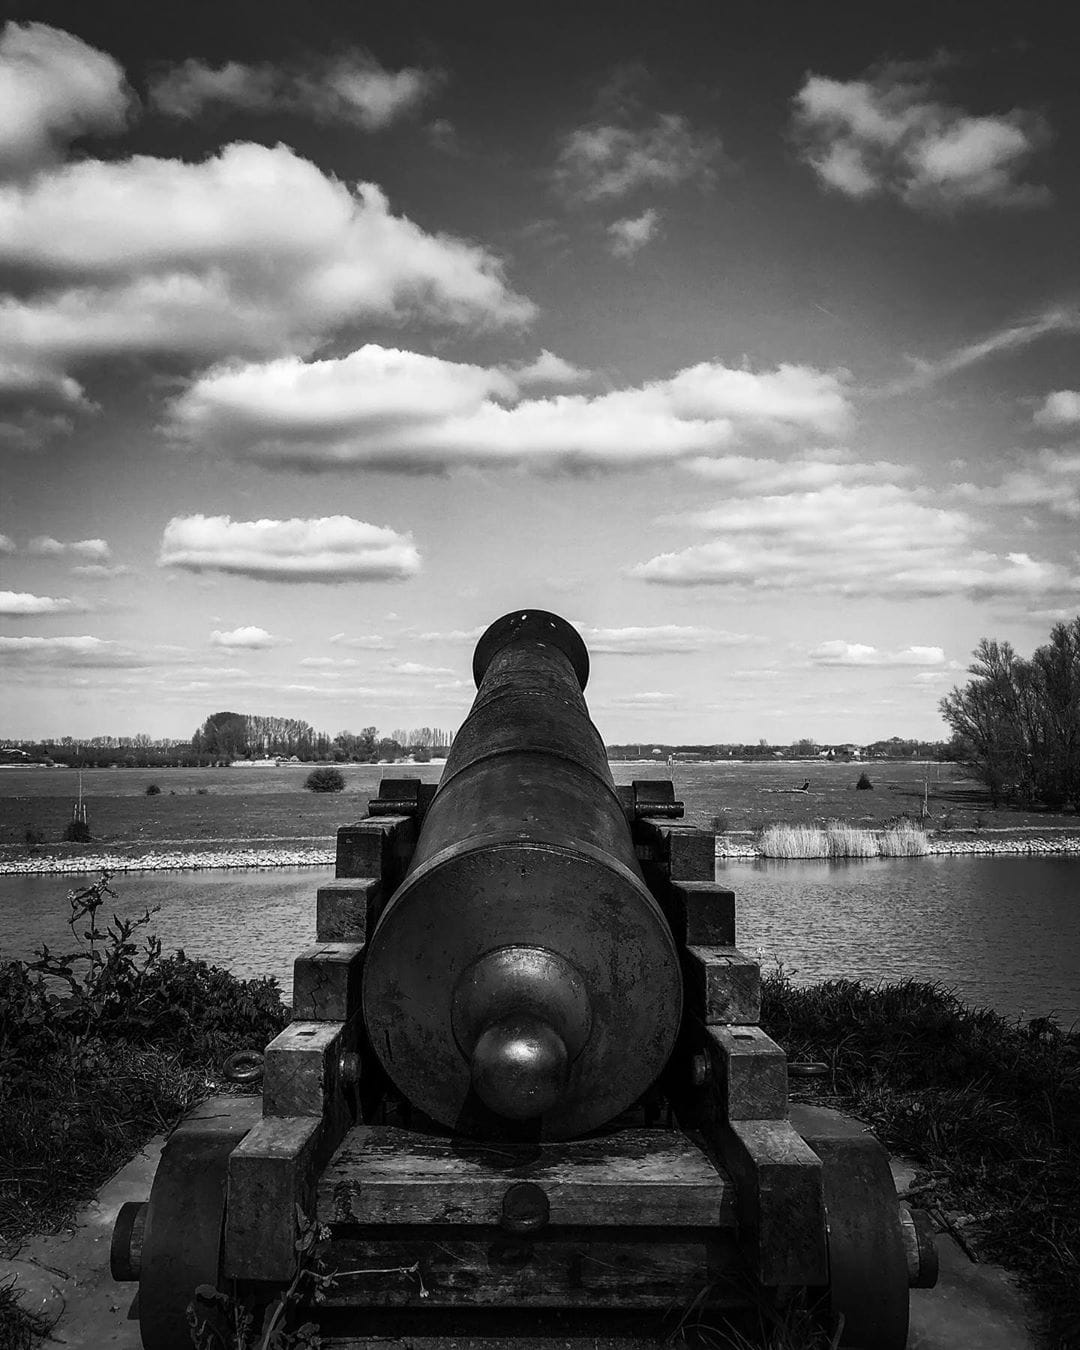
<point>522,976</point>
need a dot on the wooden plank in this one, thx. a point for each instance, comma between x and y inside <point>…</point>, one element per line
<point>643,1268</point>
<point>380,846</point>
<point>780,1201</point>
<point>681,852</point>
<point>270,1173</point>
<point>701,914</point>
<point>749,1071</point>
<point>384,1175</point>
<point>302,1075</point>
<point>326,982</point>
<point>346,910</point>
<point>722,986</point>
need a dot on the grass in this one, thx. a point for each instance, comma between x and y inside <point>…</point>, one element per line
<point>101,1048</point>
<point>838,840</point>
<point>988,1107</point>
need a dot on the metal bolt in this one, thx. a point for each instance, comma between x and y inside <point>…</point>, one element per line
<point>349,1068</point>
<point>700,1072</point>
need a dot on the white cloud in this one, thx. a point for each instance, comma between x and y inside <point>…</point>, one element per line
<point>852,540</point>
<point>7,544</point>
<point>47,547</point>
<point>252,251</point>
<point>456,635</point>
<point>351,88</point>
<point>1057,320</point>
<point>1059,409</point>
<point>547,369</point>
<point>886,134</point>
<point>633,233</point>
<point>405,411</point>
<point>840,653</point>
<point>605,162</point>
<point>23,604</point>
<point>417,668</point>
<point>53,88</point>
<point>67,652</point>
<point>369,642</point>
<point>327,549</point>
<point>102,571</point>
<point>757,475</point>
<point>651,641</point>
<point>250,637</point>
<point>1048,478</point>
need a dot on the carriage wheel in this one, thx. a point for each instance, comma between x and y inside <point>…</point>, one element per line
<point>173,1243</point>
<point>869,1273</point>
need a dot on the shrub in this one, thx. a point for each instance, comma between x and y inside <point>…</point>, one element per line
<point>152,790</point>
<point>77,832</point>
<point>864,783</point>
<point>325,780</point>
<point>34,839</point>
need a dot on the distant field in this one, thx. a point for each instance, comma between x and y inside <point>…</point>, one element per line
<point>200,806</point>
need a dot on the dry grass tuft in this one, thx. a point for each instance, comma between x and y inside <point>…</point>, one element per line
<point>838,840</point>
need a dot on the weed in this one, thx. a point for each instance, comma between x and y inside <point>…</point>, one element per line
<point>76,832</point>
<point>34,839</point>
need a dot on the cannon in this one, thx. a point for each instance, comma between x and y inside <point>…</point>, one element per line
<point>524,1090</point>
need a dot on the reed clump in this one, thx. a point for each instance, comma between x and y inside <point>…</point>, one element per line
<point>990,1109</point>
<point>839,840</point>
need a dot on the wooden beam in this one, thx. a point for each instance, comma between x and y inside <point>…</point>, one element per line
<point>380,846</point>
<point>701,914</point>
<point>384,1175</point>
<point>346,910</point>
<point>271,1173</point>
<point>312,1069</point>
<point>780,1201</point>
<point>722,986</point>
<point>749,1073</point>
<point>677,852</point>
<point>326,982</point>
<point>461,1268</point>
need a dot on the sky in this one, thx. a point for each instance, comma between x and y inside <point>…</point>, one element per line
<point>745,338</point>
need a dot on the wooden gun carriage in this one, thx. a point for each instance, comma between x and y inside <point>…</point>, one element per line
<point>524,1090</point>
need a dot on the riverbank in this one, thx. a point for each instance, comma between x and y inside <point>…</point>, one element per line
<point>74,859</point>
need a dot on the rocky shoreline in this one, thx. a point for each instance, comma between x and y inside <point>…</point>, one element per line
<point>186,860</point>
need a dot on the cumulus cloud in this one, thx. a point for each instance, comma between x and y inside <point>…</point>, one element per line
<point>851,540</point>
<point>547,369</point>
<point>456,635</point>
<point>604,162</point>
<point>352,88</point>
<point>405,411</point>
<point>633,233</point>
<point>24,605</point>
<point>1048,478</point>
<point>253,251</point>
<point>252,638</point>
<point>886,134</point>
<point>417,668</point>
<point>53,88</point>
<point>47,547</point>
<point>1059,409</point>
<point>327,549</point>
<point>7,544</point>
<point>840,653</point>
<point>656,640</point>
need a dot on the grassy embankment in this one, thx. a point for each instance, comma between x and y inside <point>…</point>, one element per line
<point>989,1108</point>
<point>101,1049</point>
<point>203,811</point>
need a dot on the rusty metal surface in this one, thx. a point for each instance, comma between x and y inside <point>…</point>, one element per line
<point>525,844</point>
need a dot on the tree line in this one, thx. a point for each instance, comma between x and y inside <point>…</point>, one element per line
<point>1017,722</point>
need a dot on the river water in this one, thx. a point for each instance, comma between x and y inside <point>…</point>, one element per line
<point>1002,932</point>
